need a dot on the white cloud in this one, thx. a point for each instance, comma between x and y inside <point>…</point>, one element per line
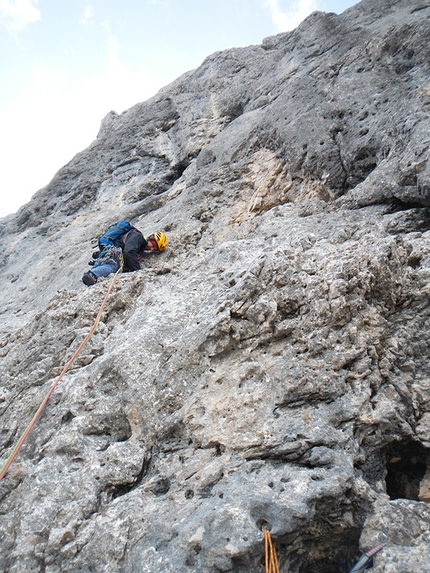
<point>286,20</point>
<point>88,14</point>
<point>162,3</point>
<point>55,119</point>
<point>16,14</point>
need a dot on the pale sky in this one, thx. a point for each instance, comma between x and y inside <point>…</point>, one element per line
<point>66,63</point>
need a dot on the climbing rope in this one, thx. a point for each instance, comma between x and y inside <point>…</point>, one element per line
<point>272,565</point>
<point>22,439</point>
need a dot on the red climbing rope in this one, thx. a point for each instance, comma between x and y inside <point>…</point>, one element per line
<point>272,565</point>
<point>22,439</point>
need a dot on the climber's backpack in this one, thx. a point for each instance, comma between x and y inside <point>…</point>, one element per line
<point>113,233</point>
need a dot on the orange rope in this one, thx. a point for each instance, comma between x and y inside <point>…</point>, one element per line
<point>272,565</point>
<point>67,366</point>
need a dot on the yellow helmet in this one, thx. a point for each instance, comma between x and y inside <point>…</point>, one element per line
<point>161,240</point>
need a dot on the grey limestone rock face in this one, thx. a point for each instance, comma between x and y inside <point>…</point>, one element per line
<point>270,369</point>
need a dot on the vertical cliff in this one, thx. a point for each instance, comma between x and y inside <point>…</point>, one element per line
<point>271,368</point>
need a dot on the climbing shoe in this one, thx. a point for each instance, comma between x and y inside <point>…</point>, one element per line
<point>89,278</point>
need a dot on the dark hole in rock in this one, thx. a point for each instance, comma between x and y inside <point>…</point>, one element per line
<point>330,555</point>
<point>414,262</point>
<point>262,524</point>
<point>409,220</point>
<point>396,205</point>
<point>406,466</point>
<point>67,417</point>
<point>219,449</point>
<point>177,170</point>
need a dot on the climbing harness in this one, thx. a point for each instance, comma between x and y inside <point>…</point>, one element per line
<point>366,560</point>
<point>272,565</point>
<point>22,439</point>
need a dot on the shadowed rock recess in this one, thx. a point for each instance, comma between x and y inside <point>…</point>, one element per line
<point>271,369</point>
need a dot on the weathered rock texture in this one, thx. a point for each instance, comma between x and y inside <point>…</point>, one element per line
<point>271,368</point>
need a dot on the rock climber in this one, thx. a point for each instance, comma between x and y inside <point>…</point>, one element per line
<point>134,244</point>
<point>128,248</point>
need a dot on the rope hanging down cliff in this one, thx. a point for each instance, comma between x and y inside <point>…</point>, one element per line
<point>272,565</point>
<point>22,439</point>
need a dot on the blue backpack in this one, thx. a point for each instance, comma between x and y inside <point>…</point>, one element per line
<point>113,233</point>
